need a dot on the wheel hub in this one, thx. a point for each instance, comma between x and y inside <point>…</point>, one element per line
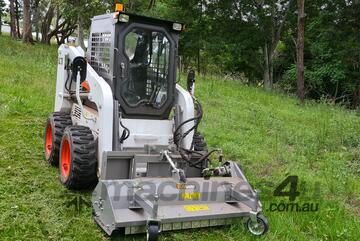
<point>257,228</point>
<point>48,140</point>
<point>65,158</point>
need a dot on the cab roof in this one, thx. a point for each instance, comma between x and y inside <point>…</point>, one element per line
<point>151,20</point>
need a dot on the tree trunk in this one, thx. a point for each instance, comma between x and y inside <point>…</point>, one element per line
<point>300,50</point>
<point>2,12</point>
<point>45,25</point>
<point>17,14</point>
<point>151,4</point>
<point>271,71</point>
<point>81,31</point>
<point>12,20</point>
<point>198,61</point>
<point>37,35</point>
<point>27,33</point>
<point>36,17</point>
<point>357,96</point>
<point>0,22</point>
<point>267,80</point>
<point>131,5</point>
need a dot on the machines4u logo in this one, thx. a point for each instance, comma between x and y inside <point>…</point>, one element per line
<point>290,188</point>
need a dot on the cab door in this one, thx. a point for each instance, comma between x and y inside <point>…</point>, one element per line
<point>146,82</point>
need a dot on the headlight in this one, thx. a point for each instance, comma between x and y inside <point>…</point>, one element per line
<point>124,18</point>
<point>177,26</point>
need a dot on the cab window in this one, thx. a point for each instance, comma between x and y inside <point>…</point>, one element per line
<point>148,57</point>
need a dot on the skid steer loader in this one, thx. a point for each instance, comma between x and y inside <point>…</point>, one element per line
<point>123,124</point>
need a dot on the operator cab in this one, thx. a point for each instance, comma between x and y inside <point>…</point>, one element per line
<point>139,62</point>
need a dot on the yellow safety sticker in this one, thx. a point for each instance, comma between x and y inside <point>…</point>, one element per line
<point>190,196</point>
<point>196,208</point>
<point>180,185</point>
<point>184,186</point>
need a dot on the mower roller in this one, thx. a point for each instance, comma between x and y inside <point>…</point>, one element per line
<point>123,125</point>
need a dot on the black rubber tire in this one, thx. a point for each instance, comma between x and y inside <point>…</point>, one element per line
<point>152,233</point>
<point>58,121</point>
<point>82,173</point>
<point>199,142</point>
<point>263,221</point>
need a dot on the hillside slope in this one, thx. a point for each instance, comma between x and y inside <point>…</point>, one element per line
<point>269,134</point>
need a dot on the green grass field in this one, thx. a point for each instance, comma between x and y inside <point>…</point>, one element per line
<point>269,134</point>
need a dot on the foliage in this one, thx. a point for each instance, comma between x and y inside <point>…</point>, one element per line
<point>332,51</point>
<point>2,12</point>
<point>269,134</point>
<point>255,39</point>
<point>2,7</point>
<point>229,37</point>
<point>247,38</point>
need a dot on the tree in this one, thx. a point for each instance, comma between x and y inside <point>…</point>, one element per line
<point>83,10</point>
<point>45,25</point>
<point>65,25</point>
<point>81,31</point>
<point>2,10</point>
<point>352,55</point>
<point>36,17</point>
<point>300,50</point>
<point>260,41</point>
<point>271,17</point>
<point>65,22</point>
<point>27,31</point>
<point>70,16</point>
<point>13,20</point>
<point>151,4</point>
<point>17,16</point>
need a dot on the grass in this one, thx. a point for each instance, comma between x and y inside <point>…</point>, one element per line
<point>269,134</point>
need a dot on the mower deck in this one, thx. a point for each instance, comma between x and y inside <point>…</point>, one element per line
<point>131,204</point>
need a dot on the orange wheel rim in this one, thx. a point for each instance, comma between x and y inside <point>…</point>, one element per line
<point>65,158</point>
<point>48,140</point>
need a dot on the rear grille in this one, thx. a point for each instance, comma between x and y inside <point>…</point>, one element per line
<point>100,53</point>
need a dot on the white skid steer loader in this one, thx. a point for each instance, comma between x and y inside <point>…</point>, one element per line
<point>123,124</point>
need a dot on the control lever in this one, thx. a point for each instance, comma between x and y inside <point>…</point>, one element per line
<point>177,173</point>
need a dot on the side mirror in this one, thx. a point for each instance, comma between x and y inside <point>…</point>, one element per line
<point>191,82</point>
